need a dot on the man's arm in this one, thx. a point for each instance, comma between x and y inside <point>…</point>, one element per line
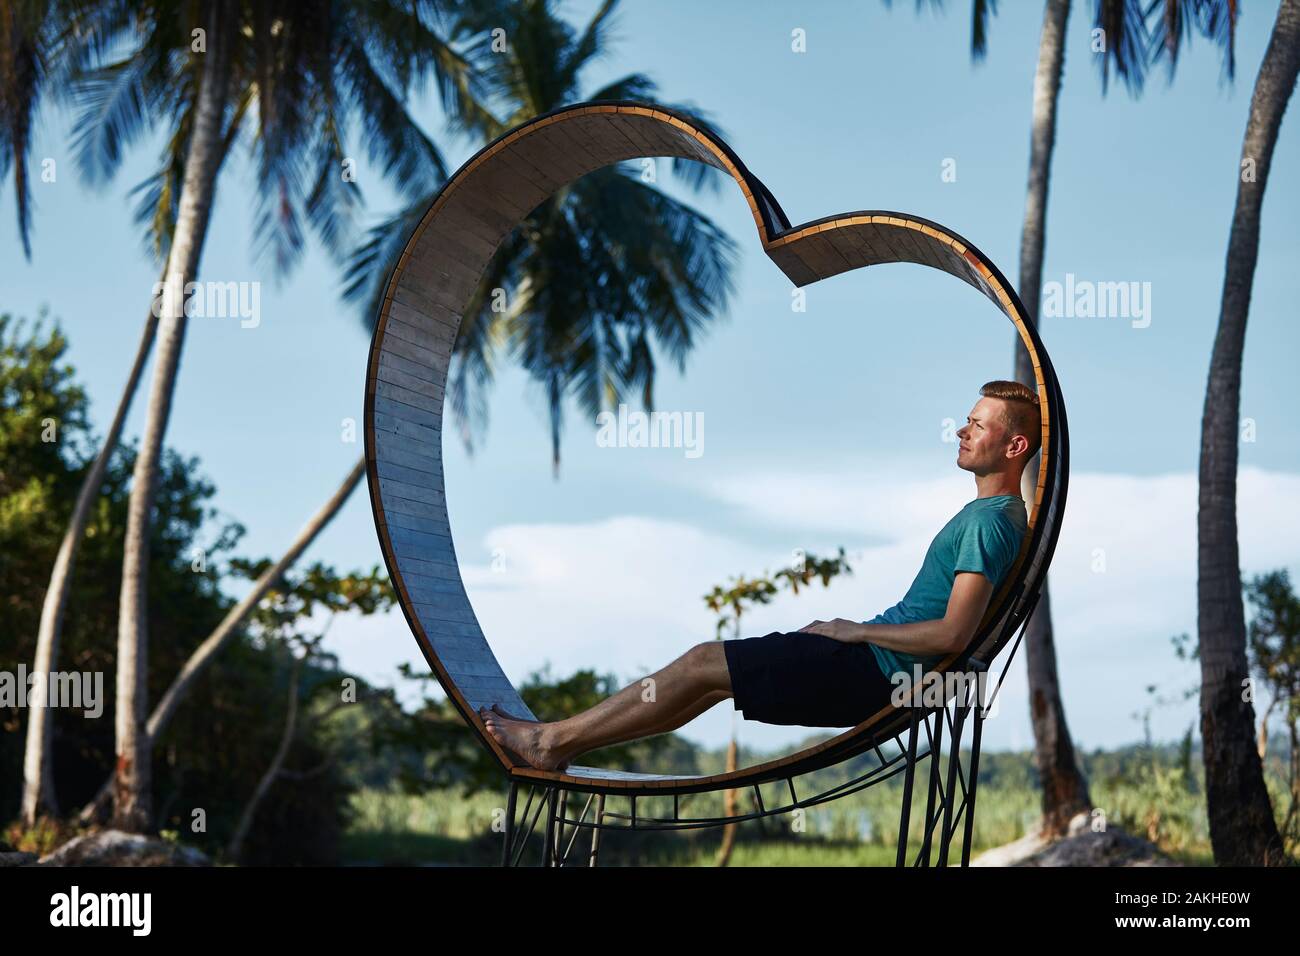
<point>970,596</point>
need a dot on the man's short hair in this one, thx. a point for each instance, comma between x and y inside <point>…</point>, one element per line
<point>1020,411</point>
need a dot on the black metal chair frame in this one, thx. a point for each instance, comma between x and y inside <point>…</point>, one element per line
<point>949,808</point>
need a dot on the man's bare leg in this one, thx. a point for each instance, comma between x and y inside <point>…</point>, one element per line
<point>681,691</point>
<point>671,722</point>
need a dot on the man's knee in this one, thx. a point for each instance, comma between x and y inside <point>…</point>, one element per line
<point>709,659</point>
<point>705,653</point>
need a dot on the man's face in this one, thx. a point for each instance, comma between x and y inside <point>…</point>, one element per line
<point>982,441</point>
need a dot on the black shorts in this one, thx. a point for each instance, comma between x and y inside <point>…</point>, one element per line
<point>806,680</point>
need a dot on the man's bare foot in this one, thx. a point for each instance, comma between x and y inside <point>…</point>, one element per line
<point>523,738</point>
<point>509,716</point>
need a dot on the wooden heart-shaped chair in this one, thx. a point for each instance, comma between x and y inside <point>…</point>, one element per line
<point>436,277</point>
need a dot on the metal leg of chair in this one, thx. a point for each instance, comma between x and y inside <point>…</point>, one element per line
<point>508,838</point>
<point>976,734</point>
<point>561,856</point>
<point>908,778</point>
<point>548,844</point>
<point>595,831</point>
<point>954,762</point>
<point>936,751</point>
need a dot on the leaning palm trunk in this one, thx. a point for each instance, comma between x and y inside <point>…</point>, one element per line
<point>236,845</point>
<point>1065,791</point>
<point>1262,739</point>
<point>1243,830</point>
<point>206,652</point>
<point>729,804</point>
<point>38,778</point>
<point>297,721</point>
<point>131,792</point>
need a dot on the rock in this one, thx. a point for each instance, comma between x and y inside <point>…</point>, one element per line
<point>1011,854</point>
<point>14,858</point>
<point>116,848</point>
<point>1080,847</point>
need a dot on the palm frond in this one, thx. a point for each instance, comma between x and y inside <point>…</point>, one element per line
<point>694,174</point>
<point>593,44</point>
<point>634,86</point>
<point>334,202</point>
<point>160,194</point>
<point>24,38</point>
<point>481,340</point>
<point>410,36</point>
<point>981,11</point>
<point>598,276</point>
<point>614,264</point>
<point>1219,23</point>
<point>405,153</point>
<point>1126,40</point>
<point>677,264</point>
<point>114,112</point>
<point>370,264</point>
<point>277,220</point>
<point>1176,21</point>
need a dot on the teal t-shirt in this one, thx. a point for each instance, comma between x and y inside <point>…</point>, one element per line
<point>985,537</point>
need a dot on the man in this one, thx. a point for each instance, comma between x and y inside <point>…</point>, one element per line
<point>832,673</point>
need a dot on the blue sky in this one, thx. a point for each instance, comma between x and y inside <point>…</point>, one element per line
<point>822,428</point>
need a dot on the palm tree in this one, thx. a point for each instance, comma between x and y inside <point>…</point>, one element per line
<point>1243,829</point>
<point>1126,45</point>
<point>598,272</point>
<point>568,237</point>
<point>38,43</point>
<point>28,48</point>
<point>1064,787</point>
<point>305,72</point>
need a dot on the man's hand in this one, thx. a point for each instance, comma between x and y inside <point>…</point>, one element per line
<point>839,629</point>
<point>951,633</point>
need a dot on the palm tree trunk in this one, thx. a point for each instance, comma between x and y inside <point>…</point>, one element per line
<point>38,778</point>
<point>1293,788</point>
<point>1262,738</point>
<point>206,652</point>
<point>1243,830</point>
<point>1065,791</point>
<point>729,805</point>
<point>131,792</point>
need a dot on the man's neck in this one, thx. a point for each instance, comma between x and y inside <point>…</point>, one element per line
<point>999,483</point>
